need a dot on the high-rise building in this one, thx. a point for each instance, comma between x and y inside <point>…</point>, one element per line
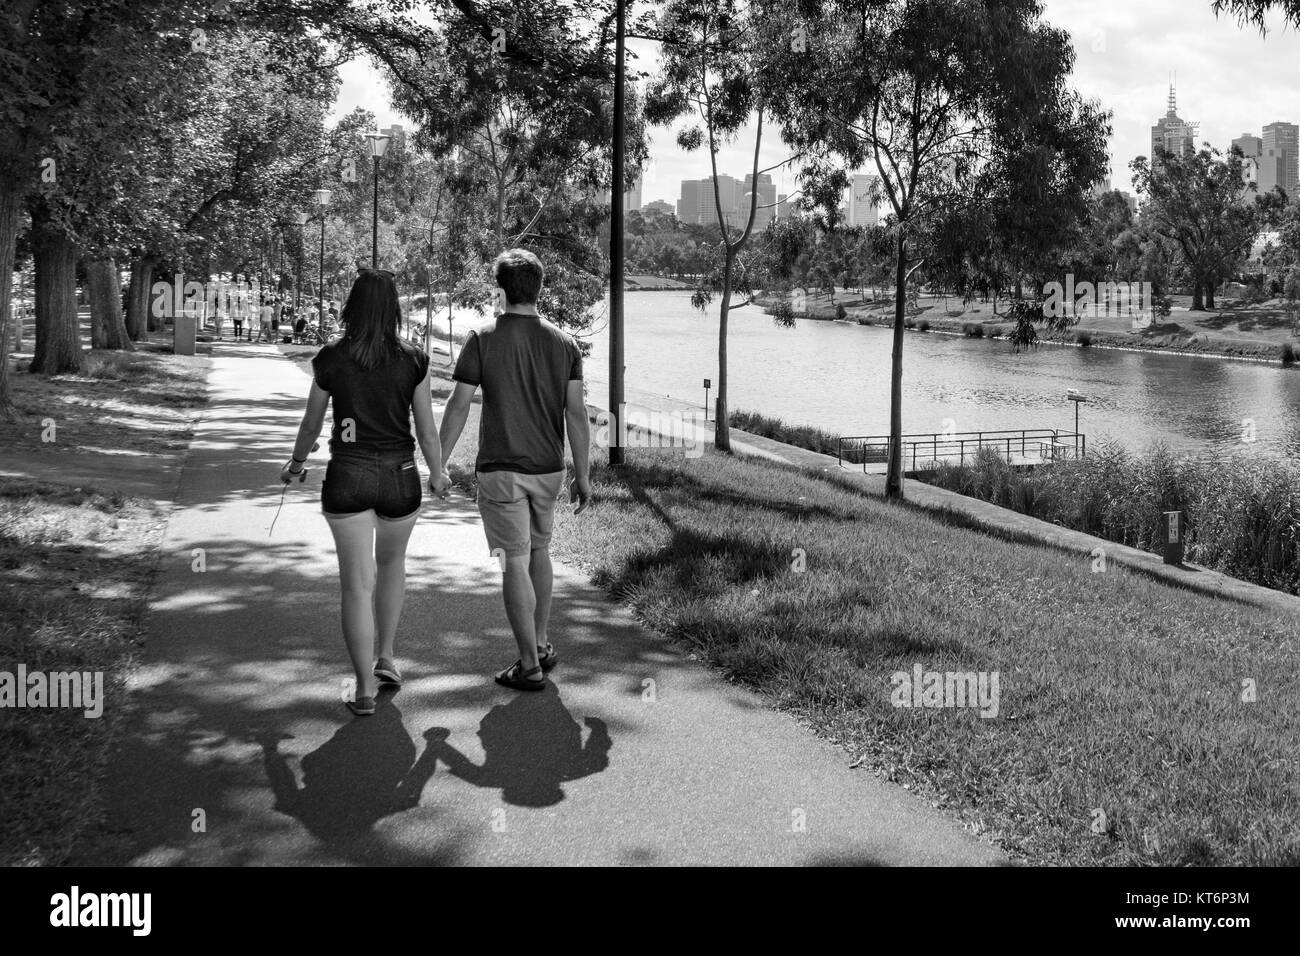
<point>1250,147</point>
<point>632,198</point>
<point>862,206</point>
<point>1171,134</point>
<point>1279,159</point>
<point>658,206</point>
<point>697,203</point>
<point>765,210</point>
<point>782,208</point>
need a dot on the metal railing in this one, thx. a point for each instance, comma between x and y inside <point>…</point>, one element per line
<point>1035,445</point>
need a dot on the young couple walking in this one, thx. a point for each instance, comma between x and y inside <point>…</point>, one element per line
<point>531,376</point>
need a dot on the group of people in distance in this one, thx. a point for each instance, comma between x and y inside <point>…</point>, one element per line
<point>275,314</point>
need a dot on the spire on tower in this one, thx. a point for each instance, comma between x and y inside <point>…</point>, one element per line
<point>1173,101</point>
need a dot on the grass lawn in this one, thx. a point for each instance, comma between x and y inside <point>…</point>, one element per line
<point>1121,737</point>
<point>75,566</point>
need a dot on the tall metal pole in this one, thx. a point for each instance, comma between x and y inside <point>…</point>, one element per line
<point>320,284</point>
<point>451,284</point>
<point>374,223</point>
<point>616,253</point>
<point>297,279</point>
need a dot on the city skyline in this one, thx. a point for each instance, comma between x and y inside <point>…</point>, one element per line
<point>1125,55</point>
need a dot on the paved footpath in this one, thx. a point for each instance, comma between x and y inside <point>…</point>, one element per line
<point>241,752</point>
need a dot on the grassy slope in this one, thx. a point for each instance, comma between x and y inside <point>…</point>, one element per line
<point>1118,694</point>
<point>75,565</point>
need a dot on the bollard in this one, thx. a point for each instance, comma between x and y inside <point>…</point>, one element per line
<point>1174,538</point>
<point>184,333</point>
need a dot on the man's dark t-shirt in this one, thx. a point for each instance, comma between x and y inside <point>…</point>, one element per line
<point>377,401</point>
<point>524,365</point>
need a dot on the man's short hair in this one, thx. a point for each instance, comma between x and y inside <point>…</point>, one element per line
<point>519,274</point>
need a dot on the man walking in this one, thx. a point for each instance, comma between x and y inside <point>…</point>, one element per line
<point>531,376</point>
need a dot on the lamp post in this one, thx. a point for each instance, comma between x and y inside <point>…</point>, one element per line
<point>1074,395</point>
<point>378,144</point>
<point>301,218</point>
<point>616,250</point>
<point>322,203</point>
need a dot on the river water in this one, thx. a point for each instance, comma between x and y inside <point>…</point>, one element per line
<point>835,376</point>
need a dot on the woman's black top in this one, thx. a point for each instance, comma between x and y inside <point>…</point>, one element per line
<point>372,409</point>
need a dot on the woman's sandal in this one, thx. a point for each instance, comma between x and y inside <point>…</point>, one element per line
<point>547,657</point>
<point>516,678</point>
<point>387,672</point>
<point>362,706</point>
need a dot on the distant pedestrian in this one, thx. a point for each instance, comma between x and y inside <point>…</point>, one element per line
<point>267,317</point>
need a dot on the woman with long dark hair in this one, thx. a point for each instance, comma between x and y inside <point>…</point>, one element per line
<point>371,493</point>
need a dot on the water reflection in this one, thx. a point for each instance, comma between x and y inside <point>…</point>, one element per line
<point>836,376</point>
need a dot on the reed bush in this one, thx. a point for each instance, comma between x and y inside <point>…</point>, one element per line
<point>1242,512</point>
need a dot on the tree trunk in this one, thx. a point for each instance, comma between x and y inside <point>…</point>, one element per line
<point>1209,295</point>
<point>894,473</point>
<point>10,216</point>
<point>138,298</point>
<point>1198,303</point>
<point>58,329</point>
<point>721,426</point>
<point>107,329</point>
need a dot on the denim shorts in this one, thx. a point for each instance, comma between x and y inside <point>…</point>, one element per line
<point>357,481</point>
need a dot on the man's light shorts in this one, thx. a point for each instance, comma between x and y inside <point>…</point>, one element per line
<point>518,510</point>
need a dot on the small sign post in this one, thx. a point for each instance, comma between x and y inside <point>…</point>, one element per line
<point>1074,395</point>
<point>1173,541</point>
<point>708,383</point>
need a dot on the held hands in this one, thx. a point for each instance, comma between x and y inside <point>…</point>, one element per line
<point>440,484</point>
<point>580,491</point>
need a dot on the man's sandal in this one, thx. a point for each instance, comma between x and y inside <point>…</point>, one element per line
<point>516,678</point>
<point>547,657</point>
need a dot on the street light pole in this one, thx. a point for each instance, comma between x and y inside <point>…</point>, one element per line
<point>616,250</point>
<point>378,144</point>
<point>322,203</point>
<point>302,219</point>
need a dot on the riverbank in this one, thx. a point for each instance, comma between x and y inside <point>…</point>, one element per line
<point>1250,333</point>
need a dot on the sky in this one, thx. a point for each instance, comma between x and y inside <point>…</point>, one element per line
<point>1229,78</point>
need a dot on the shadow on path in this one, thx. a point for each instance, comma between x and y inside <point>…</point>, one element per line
<point>365,772</point>
<point>531,746</point>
